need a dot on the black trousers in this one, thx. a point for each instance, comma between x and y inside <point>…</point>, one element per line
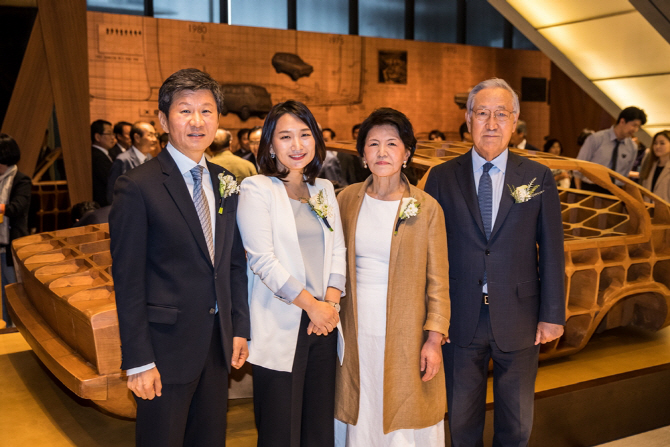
<point>191,414</point>
<point>297,409</point>
<point>514,375</point>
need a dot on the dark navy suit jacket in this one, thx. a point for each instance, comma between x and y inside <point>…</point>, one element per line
<point>166,286</point>
<point>523,260</point>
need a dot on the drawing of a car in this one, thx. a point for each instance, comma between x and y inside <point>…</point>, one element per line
<point>292,65</point>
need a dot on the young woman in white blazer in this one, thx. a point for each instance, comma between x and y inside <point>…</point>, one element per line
<point>655,172</point>
<point>290,225</point>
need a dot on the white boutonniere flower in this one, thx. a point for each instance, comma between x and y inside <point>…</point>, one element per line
<point>319,204</point>
<point>227,187</point>
<point>524,193</point>
<point>409,207</point>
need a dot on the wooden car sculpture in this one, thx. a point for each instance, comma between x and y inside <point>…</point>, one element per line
<point>617,273</point>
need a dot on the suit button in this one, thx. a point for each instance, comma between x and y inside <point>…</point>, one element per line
<point>487,252</point>
<point>214,275</point>
<point>212,311</point>
<point>480,282</point>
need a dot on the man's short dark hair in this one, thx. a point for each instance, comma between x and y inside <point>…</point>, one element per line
<point>392,117</point>
<point>328,129</point>
<point>462,130</point>
<point>632,113</point>
<point>10,154</point>
<point>188,79</point>
<point>268,165</point>
<point>355,128</point>
<point>118,127</point>
<point>98,127</point>
<point>135,129</point>
<point>241,133</point>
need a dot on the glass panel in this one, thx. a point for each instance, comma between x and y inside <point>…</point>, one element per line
<point>194,10</point>
<point>323,16</point>
<point>382,18</point>
<point>265,13</point>
<point>117,6</point>
<point>521,42</point>
<point>483,24</point>
<point>435,21</point>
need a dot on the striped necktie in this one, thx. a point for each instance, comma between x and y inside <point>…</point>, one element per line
<point>202,207</point>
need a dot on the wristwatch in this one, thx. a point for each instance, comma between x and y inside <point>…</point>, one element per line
<point>334,304</point>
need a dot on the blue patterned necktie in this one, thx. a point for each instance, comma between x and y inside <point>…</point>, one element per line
<point>485,196</point>
<point>202,207</point>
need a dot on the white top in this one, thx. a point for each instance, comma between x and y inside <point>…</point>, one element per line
<point>374,231</point>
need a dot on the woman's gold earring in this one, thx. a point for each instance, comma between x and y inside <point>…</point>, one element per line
<point>365,164</point>
<point>404,164</point>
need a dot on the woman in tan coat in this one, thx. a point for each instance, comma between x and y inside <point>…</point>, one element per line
<point>390,388</point>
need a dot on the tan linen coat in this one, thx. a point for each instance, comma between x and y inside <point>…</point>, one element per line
<point>418,301</point>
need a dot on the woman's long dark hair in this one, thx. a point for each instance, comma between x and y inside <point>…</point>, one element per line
<point>652,158</point>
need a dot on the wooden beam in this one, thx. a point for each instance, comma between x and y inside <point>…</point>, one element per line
<point>32,102</point>
<point>66,45</point>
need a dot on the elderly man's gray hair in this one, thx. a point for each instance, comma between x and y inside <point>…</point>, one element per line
<point>492,83</point>
<point>521,127</point>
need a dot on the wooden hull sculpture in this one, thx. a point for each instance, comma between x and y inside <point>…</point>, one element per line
<point>617,273</point>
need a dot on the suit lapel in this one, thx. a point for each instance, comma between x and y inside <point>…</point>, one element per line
<point>514,178</point>
<point>466,181</point>
<point>176,187</point>
<point>396,239</point>
<point>352,218</point>
<point>220,220</point>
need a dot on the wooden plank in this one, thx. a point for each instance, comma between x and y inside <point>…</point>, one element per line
<point>65,40</point>
<point>61,360</point>
<point>31,103</point>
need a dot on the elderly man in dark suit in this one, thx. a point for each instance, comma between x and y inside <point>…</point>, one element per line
<point>506,271</point>
<point>180,275</point>
<point>145,141</point>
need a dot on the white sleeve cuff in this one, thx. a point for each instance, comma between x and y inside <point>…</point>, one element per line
<point>140,369</point>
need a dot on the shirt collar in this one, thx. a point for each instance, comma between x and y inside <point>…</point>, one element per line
<point>104,151</point>
<point>184,163</point>
<point>138,154</point>
<point>499,162</point>
<point>612,135</point>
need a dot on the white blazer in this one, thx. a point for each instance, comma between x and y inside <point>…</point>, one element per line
<point>266,223</point>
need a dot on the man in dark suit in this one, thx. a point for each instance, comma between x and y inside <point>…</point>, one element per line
<point>123,139</point>
<point>518,138</point>
<point>180,275</point>
<point>145,141</point>
<point>506,271</point>
<point>102,140</point>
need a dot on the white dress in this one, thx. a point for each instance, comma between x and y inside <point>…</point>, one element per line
<point>374,231</point>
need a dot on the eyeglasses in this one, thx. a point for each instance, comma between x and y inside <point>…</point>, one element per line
<point>484,115</point>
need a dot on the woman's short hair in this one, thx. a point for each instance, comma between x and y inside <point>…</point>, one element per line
<point>391,117</point>
<point>549,143</point>
<point>268,165</point>
<point>188,79</point>
<point>10,154</point>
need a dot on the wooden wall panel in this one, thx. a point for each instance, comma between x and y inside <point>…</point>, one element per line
<point>64,30</point>
<point>130,56</point>
<point>32,102</point>
<point>573,110</point>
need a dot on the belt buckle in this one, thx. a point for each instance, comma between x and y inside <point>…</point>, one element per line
<point>486,298</point>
